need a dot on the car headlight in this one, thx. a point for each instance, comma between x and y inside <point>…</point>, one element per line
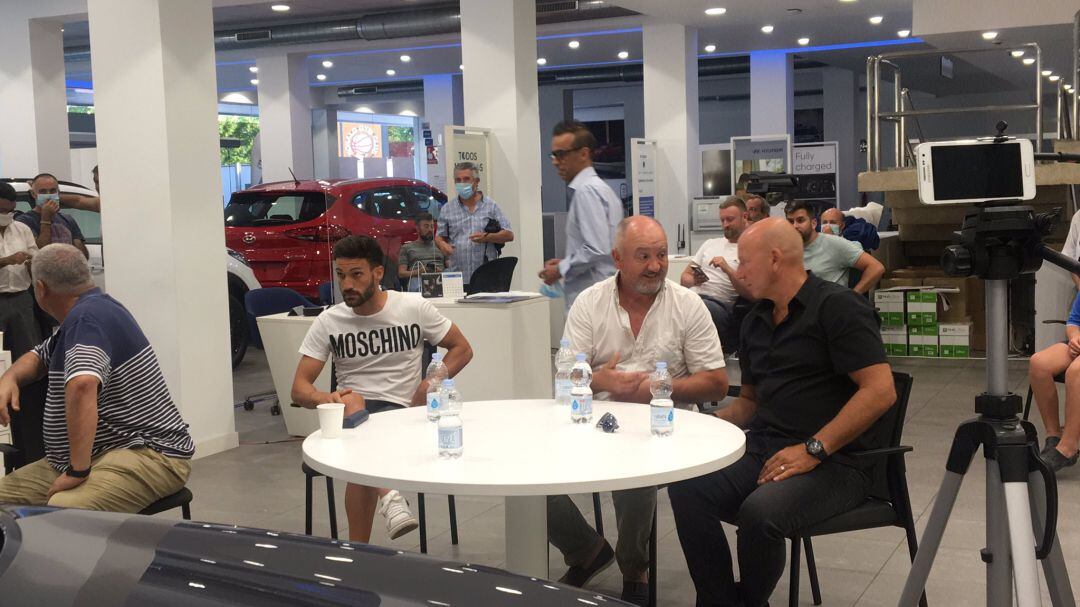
<point>238,256</point>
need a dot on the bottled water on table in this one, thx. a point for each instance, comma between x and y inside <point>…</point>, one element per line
<point>564,360</point>
<point>436,373</point>
<point>580,392</point>
<point>449,423</point>
<point>662,421</point>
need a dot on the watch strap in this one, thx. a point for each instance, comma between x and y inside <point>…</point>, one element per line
<point>73,473</point>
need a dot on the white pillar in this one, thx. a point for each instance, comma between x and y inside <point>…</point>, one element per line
<point>442,93</point>
<point>33,99</point>
<point>772,93</point>
<point>838,98</point>
<point>671,119</point>
<point>498,47</point>
<point>324,142</point>
<point>165,241</point>
<point>285,117</point>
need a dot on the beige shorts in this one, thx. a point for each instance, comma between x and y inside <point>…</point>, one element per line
<point>122,480</point>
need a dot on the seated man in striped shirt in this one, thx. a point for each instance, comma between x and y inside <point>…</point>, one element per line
<point>114,440</point>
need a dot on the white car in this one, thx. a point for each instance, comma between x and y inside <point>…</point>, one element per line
<point>241,278</point>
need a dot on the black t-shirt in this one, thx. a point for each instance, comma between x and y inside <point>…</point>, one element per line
<point>64,228</point>
<point>799,369</point>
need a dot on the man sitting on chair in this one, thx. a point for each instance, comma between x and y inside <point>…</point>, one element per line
<point>113,438</point>
<point>815,378</point>
<point>1060,449</point>
<point>376,339</point>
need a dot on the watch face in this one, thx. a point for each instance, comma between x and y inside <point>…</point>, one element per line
<point>814,446</point>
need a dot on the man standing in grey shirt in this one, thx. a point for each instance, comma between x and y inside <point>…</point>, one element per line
<point>595,211</point>
<point>421,255</point>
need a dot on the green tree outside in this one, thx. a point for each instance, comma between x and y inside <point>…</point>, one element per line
<point>244,128</point>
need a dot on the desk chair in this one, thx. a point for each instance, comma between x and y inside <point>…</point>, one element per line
<point>264,302</point>
<point>493,276</point>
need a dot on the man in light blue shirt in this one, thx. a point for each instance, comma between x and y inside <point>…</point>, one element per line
<point>595,212</point>
<point>472,228</point>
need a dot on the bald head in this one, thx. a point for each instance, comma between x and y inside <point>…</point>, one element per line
<point>640,255</point>
<point>770,250</point>
<point>832,222</point>
<point>637,228</point>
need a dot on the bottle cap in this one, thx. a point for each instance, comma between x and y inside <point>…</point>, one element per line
<point>448,383</point>
<point>564,342</point>
<point>580,356</point>
<point>661,364</point>
<point>436,356</point>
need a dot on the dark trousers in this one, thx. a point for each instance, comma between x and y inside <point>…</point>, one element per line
<point>724,318</point>
<point>764,514</point>
<point>575,538</point>
<point>19,323</point>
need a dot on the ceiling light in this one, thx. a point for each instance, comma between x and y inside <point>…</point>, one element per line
<point>1028,60</point>
<point>710,48</point>
<point>279,8</point>
<point>320,76</point>
<point>847,1</point>
<point>541,61</point>
<point>406,58</point>
<point>624,55</point>
<point>1047,72</point>
<point>407,113</point>
<point>1054,78</point>
<point>876,19</point>
<point>391,72</point>
<point>573,44</point>
<point>1068,87</point>
<point>253,69</point>
<point>989,35</point>
<point>1017,53</point>
<point>767,29</point>
<point>363,109</point>
<point>328,64</point>
<point>255,81</point>
<point>903,33</point>
<point>461,66</point>
<point>714,11</point>
<point>803,41</point>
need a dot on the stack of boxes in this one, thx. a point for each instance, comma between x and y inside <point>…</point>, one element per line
<point>890,307</point>
<point>923,321</point>
<point>921,316</point>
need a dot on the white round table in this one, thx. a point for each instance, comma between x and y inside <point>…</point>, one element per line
<point>525,450</point>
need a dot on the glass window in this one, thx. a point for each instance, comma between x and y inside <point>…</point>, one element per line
<point>387,203</point>
<point>262,209</point>
<point>424,200</point>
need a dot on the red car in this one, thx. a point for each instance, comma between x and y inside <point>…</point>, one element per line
<point>286,229</point>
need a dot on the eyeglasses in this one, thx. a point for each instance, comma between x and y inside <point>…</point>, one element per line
<point>560,154</point>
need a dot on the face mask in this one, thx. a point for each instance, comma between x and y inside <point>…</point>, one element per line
<point>43,198</point>
<point>464,190</point>
<point>833,229</point>
<point>6,219</point>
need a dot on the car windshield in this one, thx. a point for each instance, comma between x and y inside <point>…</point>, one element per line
<point>265,209</point>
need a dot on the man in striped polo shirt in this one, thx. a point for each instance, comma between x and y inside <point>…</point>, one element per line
<point>113,438</point>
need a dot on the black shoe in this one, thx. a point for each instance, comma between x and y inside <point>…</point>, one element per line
<point>577,576</point>
<point>1057,461</point>
<point>636,593</point>
<point>1048,445</point>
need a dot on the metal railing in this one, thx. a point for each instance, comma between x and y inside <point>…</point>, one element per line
<point>899,114</point>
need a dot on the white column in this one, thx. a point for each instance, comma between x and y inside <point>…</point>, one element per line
<point>838,86</point>
<point>165,242</point>
<point>671,119</point>
<point>498,47</point>
<point>772,93</point>
<point>442,95</point>
<point>33,99</point>
<point>324,142</point>
<point>285,117</point>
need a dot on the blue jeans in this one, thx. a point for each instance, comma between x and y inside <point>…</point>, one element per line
<point>723,317</point>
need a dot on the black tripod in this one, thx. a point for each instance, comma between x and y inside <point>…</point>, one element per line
<point>998,243</point>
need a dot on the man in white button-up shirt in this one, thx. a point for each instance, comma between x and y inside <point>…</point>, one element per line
<point>625,325</point>
<point>17,246</point>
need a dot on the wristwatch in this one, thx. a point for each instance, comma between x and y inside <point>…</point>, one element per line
<point>815,448</point>
<point>73,473</point>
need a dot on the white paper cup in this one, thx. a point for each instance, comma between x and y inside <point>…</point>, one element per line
<point>331,416</point>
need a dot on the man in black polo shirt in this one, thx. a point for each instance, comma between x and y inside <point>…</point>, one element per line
<point>815,379</point>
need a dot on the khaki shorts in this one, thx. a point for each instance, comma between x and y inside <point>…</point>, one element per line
<point>122,480</point>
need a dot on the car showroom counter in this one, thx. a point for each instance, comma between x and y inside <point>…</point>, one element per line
<point>510,342</point>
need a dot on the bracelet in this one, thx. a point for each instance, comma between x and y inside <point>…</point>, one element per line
<point>46,223</point>
<point>73,473</point>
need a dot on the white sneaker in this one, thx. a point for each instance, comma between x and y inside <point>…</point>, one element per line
<point>399,520</point>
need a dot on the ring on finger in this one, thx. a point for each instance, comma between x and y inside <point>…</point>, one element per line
<point>782,467</point>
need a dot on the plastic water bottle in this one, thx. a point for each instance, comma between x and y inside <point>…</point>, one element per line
<point>580,392</point>
<point>564,360</point>
<point>662,408</point>
<point>449,423</point>
<point>436,373</point>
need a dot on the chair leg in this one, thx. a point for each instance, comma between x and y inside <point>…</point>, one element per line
<point>185,512</point>
<point>332,503</point>
<point>307,504</point>
<point>453,520</point>
<point>598,514</point>
<point>793,577</point>
<point>423,522</point>
<point>1027,404</point>
<point>653,582</point>
<point>811,569</point>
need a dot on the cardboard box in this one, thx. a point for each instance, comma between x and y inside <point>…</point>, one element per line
<point>890,307</point>
<point>969,300</point>
<point>921,308</point>
<point>917,272</point>
<point>892,283</point>
<point>923,340</point>
<point>954,340</point>
<point>895,340</point>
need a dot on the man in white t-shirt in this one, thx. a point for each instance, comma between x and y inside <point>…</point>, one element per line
<point>625,324</point>
<point>376,339</point>
<point>712,272</point>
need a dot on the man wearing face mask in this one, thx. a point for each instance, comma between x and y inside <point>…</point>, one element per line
<point>17,246</point>
<point>421,255</point>
<point>471,226</point>
<point>46,221</point>
<point>854,229</point>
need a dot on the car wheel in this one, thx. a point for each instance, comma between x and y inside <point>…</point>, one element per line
<point>239,331</point>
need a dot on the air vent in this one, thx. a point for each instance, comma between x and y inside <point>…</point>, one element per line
<point>556,6</point>
<point>252,35</point>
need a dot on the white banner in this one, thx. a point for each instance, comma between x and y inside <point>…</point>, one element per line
<point>467,144</point>
<point>643,175</point>
<point>814,159</point>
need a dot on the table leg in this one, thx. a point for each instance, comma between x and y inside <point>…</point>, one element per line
<point>526,536</point>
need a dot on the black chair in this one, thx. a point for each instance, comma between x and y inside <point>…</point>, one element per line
<point>493,276</point>
<point>888,505</point>
<point>309,478</point>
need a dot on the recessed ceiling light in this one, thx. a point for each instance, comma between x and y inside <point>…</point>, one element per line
<point>803,41</point>
<point>363,109</point>
<point>391,72</point>
<point>876,19</point>
<point>767,29</point>
<point>320,76</point>
<point>407,113</point>
<point>903,33</point>
<point>461,66</point>
<point>1028,60</point>
<point>541,61</point>
<point>328,64</point>
<point>624,55</point>
<point>710,48</point>
<point>1017,53</point>
<point>989,35</point>
<point>573,44</point>
<point>1047,72</point>
<point>716,10</point>
<point>1054,78</point>
<point>255,81</point>
<point>279,8</point>
<point>253,69</point>
<point>847,1</point>
<point>406,58</point>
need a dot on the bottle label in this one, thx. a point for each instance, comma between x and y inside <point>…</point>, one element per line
<point>576,405</point>
<point>450,438</point>
<point>433,400</point>
<point>562,387</point>
<point>663,416</point>
<point>586,405</point>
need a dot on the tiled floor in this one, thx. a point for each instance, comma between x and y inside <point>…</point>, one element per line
<point>260,484</point>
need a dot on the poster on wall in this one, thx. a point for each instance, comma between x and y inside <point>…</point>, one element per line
<point>817,166</point>
<point>359,140</point>
<point>469,144</point>
<point>643,172</point>
<point>759,154</point>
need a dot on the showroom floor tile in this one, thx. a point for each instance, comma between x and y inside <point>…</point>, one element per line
<point>260,485</point>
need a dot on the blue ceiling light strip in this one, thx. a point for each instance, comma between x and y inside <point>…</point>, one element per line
<point>549,68</point>
<point>79,84</point>
<point>817,49</point>
<point>629,30</point>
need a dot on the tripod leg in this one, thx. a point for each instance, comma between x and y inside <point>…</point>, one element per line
<point>1022,538</point>
<point>931,539</point>
<point>1057,576</point>
<point>997,555</point>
